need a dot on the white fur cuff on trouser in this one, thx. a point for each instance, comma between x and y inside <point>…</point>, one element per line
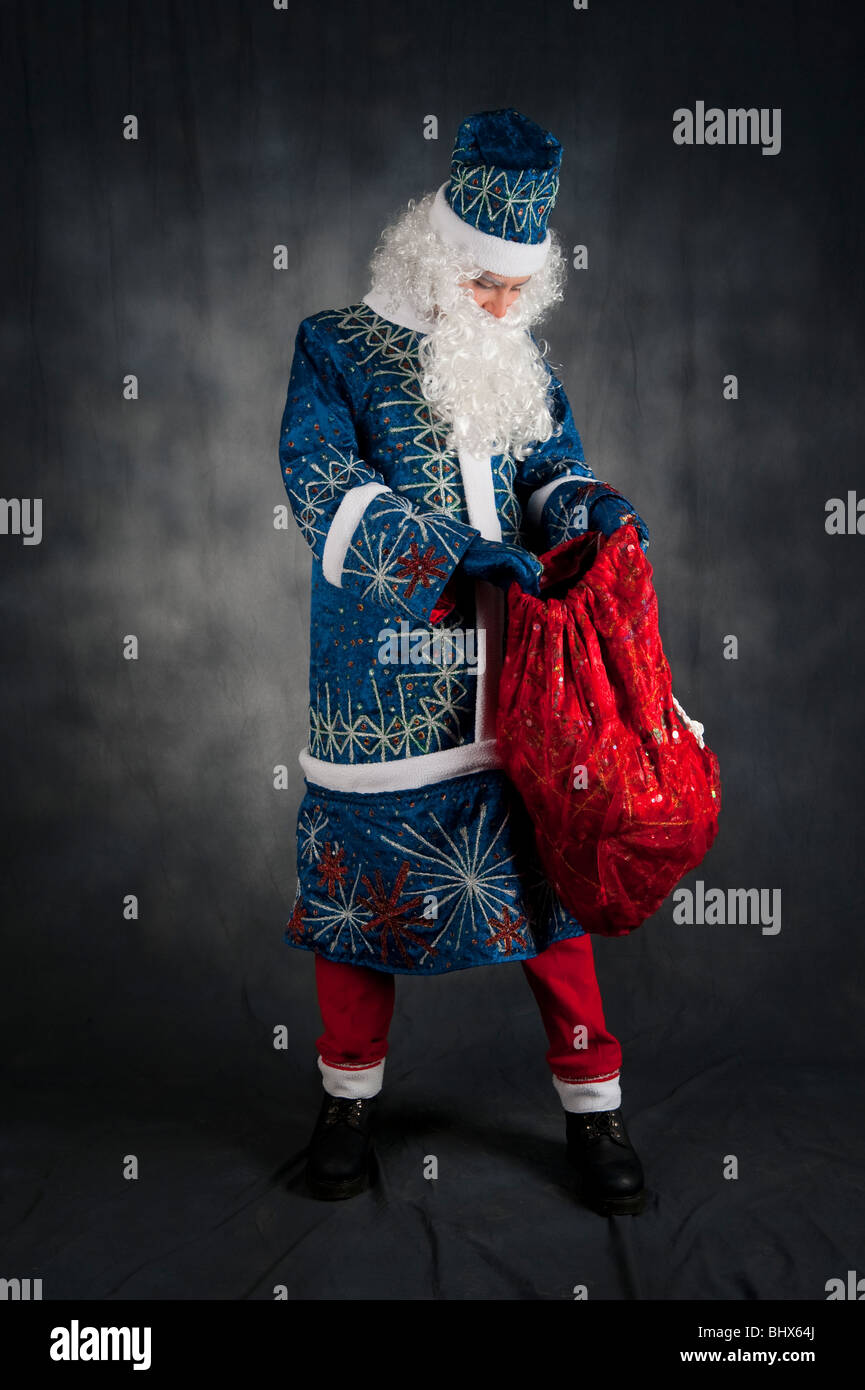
<point>581,1096</point>
<point>354,1082</point>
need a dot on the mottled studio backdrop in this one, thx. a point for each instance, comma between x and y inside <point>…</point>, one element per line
<point>154,257</point>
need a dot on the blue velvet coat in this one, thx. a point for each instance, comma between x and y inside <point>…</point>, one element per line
<point>414,852</point>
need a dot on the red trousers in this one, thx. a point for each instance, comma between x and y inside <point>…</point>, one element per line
<point>585,1059</point>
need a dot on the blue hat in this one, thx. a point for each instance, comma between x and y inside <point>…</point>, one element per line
<point>503,184</point>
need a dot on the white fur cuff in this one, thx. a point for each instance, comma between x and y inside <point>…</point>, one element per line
<point>493,253</point>
<point>355,1082</point>
<point>346,520</point>
<point>538,499</point>
<point>582,1096</point>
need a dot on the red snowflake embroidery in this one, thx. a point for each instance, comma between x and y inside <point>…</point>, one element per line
<point>422,568</point>
<point>331,868</point>
<point>509,932</point>
<point>295,925</point>
<point>392,916</point>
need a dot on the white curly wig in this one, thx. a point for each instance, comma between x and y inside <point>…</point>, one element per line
<point>484,377</point>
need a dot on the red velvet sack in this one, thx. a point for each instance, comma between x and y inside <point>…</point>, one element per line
<point>585,683</point>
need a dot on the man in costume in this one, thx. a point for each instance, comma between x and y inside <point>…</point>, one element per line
<point>430,455</point>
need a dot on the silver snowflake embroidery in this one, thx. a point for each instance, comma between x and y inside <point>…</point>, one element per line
<point>340,471</point>
<point>327,479</point>
<point>441,481</point>
<point>311,828</point>
<point>565,527</point>
<point>343,914</point>
<point>565,520</point>
<point>378,557</point>
<point>423,723</point>
<point>393,350</point>
<point>509,510</point>
<point>518,199</point>
<point>306,515</point>
<point>435,722</point>
<point>463,873</point>
<point>380,336</point>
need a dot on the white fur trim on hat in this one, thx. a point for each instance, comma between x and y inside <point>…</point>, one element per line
<point>489,252</point>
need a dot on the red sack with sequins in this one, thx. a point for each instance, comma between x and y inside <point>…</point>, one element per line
<point>623,792</point>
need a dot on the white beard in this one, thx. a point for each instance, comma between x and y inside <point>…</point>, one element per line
<point>485,378</point>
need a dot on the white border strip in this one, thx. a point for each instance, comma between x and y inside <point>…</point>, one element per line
<point>476,471</point>
<point>403,774</point>
<point>493,253</point>
<point>346,520</point>
<point>538,498</point>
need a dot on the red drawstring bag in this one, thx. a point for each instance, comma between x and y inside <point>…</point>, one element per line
<point>586,685</point>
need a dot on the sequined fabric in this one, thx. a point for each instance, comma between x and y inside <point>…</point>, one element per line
<point>504,177</point>
<point>443,875</point>
<point>370,866</point>
<point>586,685</point>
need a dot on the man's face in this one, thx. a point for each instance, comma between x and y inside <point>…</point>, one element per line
<point>483,371</point>
<point>496,293</point>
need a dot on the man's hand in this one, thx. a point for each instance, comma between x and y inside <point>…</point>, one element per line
<point>607,514</point>
<point>503,565</point>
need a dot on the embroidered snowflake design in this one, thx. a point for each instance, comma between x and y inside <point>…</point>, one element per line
<point>563,514</point>
<point>422,568</point>
<point>306,516</point>
<point>391,342</point>
<point>373,561</point>
<point>340,914</point>
<point>425,445</point>
<point>509,937</point>
<point>330,477</point>
<point>382,558</point>
<point>394,349</point>
<point>510,200</point>
<point>331,868</point>
<point>423,724</point>
<point>564,529</point>
<point>339,472</point>
<point>393,917</point>
<point>427,529</point>
<point>295,927</point>
<point>510,512</point>
<point>435,724</point>
<point>463,874</point>
<point>311,828</point>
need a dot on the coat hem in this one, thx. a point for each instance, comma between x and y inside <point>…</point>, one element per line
<point>446,968</point>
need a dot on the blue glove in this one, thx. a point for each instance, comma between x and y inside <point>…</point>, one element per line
<point>607,514</point>
<point>503,565</point>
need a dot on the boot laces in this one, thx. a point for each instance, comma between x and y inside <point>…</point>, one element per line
<point>593,1123</point>
<point>344,1110</point>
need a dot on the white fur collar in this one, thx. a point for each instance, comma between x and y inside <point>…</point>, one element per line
<point>404,315</point>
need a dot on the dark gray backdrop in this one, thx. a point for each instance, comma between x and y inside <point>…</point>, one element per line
<point>154,257</point>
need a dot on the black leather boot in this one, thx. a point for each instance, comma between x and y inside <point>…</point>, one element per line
<point>340,1150</point>
<point>610,1173</point>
